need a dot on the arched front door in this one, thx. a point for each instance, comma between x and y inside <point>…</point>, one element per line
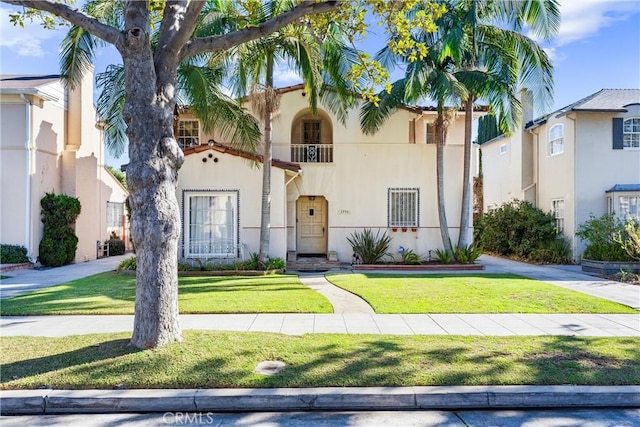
<point>312,225</point>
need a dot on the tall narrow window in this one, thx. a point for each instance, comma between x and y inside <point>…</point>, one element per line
<point>556,139</point>
<point>503,148</point>
<point>211,227</point>
<point>188,133</point>
<point>631,133</point>
<point>403,207</point>
<point>431,133</point>
<point>557,207</point>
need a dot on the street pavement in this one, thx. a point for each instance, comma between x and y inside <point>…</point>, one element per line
<point>504,418</point>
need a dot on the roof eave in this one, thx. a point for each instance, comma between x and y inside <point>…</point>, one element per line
<point>29,91</point>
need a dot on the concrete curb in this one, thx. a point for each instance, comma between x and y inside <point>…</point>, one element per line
<point>49,401</point>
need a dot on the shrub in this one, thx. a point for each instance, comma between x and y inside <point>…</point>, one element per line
<point>59,242</point>
<point>517,228</point>
<point>276,264</point>
<point>601,233</point>
<point>409,257</point>
<point>368,247</point>
<point>443,256</point>
<point>116,246</point>
<point>631,242</point>
<point>557,251</point>
<point>467,255</point>
<point>13,254</point>
<point>128,264</point>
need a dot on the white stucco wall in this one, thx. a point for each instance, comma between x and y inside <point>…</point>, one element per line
<point>364,167</point>
<point>599,167</point>
<point>231,172</point>
<point>58,164</point>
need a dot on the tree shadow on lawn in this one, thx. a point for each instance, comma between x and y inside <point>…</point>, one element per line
<point>332,360</point>
<point>76,298</point>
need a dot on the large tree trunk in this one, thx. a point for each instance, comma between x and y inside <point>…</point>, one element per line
<point>265,215</point>
<point>442,214</point>
<point>465,209</point>
<point>152,176</point>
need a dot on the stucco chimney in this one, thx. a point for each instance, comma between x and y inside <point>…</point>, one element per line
<point>80,112</point>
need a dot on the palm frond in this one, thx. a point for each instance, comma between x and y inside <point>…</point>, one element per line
<point>109,106</point>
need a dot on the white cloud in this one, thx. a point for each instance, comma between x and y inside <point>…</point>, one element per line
<point>31,40</point>
<point>582,19</point>
<point>285,76</point>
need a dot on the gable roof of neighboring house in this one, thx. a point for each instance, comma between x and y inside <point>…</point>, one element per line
<point>13,84</point>
<point>226,149</point>
<point>604,101</point>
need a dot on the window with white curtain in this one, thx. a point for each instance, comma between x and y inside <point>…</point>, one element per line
<point>629,206</point>
<point>115,212</point>
<point>403,207</point>
<point>211,224</point>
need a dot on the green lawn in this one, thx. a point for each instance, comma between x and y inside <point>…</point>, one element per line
<point>469,293</point>
<point>225,359</point>
<point>113,293</point>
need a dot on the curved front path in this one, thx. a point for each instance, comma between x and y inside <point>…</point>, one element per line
<point>342,301</point>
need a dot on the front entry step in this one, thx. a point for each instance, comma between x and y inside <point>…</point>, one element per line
<point>314,263</point>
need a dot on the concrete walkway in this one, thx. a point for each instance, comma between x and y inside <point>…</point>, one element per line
<point>29,279</point>
<point>593,325</point>
<point>567,276</point>
<point>342,301</point>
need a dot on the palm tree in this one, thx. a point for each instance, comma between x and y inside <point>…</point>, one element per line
<point>252,65</point>
<point>470,59</point>
<point>432,77</point>
<point>199,86</point>
<point>494,59</point>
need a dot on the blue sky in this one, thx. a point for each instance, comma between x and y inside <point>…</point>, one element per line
<point>598,47</point>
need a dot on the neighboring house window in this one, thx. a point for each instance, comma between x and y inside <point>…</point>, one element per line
<point>188,133</point>
<point>402,208</point>
<point>115,212</point>
<point>610,205</point>
<point>211,224</point>
<point>557,207</point>
<point>431,133</point>
<point>503,148</point>
<point>631,133</point>
<point>630,206</point>
<point>556,139</point>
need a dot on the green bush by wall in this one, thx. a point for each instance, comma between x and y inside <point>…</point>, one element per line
<point>59,242</point>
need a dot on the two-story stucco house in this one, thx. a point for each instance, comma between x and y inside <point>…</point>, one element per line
<point>49,142</point>
<point>329,180</point>
<point>580,160</point>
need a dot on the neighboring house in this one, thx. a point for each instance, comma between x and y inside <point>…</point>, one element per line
<point>49,142</point>
<point>330,180</point>
<point>581,160</point>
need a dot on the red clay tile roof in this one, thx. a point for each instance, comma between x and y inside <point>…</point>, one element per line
<point>227,149</point>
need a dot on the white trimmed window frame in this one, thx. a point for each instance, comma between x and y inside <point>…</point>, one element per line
<point>557,208</point>
<point>403,207</point>
<point>185,136</point>
<point>115,212</point>
<point>556,139</point>
<point>211,226</point>
<point>631,133</point>
<point>629,206</point>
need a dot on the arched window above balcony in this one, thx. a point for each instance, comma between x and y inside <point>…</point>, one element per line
<point>312,138</point>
